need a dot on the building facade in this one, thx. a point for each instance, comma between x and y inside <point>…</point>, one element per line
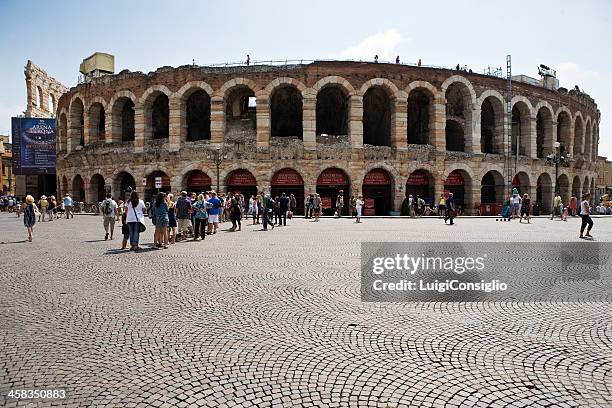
<point>7,178</point>
<point>381,130</point>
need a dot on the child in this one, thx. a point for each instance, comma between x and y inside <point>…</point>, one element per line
<point>565,213</point>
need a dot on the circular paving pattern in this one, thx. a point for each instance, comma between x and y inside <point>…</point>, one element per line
<point>275,319</point>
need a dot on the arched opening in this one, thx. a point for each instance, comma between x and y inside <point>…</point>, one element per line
<point>564,132</point>
<point>241,111</point>
<point>78,189</point>
<point>544,194</point>
<point>420,184</point>
<point>288,181</point>
<point>123,119</point>
<point>595,136</point>
<point>332,111</point>
<point>198,116</point>
<point>521,128</point>
<point>492,188</point>
<point>241,181</point>
<point>420,114</point>
<point>97,188</point>
<point>63,133</point>
<point>458,116</point>
<point>576,187</point>
<point>455,139</point>
<point>588,145</point>
<point>196,181</point>
<point>157,116</point>
<point>564,189</point>
<point>77,136</point>
<point>377,192</point>
<point>97,123</point>
<point>156,182</point>
<point>65,187</point>
<point>578,136</point>
<point>459,183</point>
<point>52,104</point>
<point>329,184</point>
<point>491,125</point>
<point>286,112</point>
<point>585,186</point>
<point>377,117</point>
<point>39,97</point>
<point>124,182</point>
<point>521,182</point>
<point>544,133</point>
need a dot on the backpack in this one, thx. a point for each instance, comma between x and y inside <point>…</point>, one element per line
<point>108,208</point>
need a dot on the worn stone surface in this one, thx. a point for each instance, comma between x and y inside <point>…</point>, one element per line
<point>275,319</point>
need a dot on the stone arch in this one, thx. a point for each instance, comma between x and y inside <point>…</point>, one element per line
<point>39,97</point>
<point>240,104</point>
<point>492,114</point>
<point>62,132</point>
<point>122,106</point>
<point>195,110</point>
<point>52,103</point>
<point>97,186</point>
<point>284,81</point>
<point>121,180</point>
<point>97,119</point>
<point>422,97</point>
<point>76,121</point>
<point>460,101</point>
<point>544,192</point>
<point>576,187</point>
<point>522,112</point>
<point>563,187</point>
<point>329,181</point>
<point>259,176</point>
<point>377,115</point>
<point>78,188</point>
<point>578,134</point>
<point>492,187</point>
<point>564,129</point>
<point>332,106</point>
<point>458,78</point>
<point>389,86</point>
<point>544,129</point>
<point>228,86</point>
<point>522,182</point>
<point>464,196</point>
<point>286,108</point>
<point>588,139</point>
<point>155,103</point>
<point>200,180</point>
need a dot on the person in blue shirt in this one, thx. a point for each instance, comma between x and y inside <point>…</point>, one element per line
<point>68,206</point>
<point>214,208</point>
<point>200,216</point>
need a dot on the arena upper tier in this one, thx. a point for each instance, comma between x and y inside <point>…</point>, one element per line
<point>381,130</point>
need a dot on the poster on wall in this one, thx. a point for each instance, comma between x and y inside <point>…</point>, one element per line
<point>33,145</point>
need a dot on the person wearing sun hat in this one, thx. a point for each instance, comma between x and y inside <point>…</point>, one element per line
<point>340,203</point>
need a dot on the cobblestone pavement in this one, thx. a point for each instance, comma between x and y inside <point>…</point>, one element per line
<point>254,319</point>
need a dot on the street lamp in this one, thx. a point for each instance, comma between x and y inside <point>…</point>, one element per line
<point>218,160</point>
<point>557,158</point>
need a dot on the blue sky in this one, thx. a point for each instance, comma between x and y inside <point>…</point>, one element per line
<point>143,35</point>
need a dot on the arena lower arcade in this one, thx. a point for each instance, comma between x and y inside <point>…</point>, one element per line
<point>381,130</point>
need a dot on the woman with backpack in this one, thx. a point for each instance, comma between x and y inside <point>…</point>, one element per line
<point>29,215</point>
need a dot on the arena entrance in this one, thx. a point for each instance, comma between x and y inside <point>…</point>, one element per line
<point>419,184</point>
<point>289,181</point>
<point>198,182</point>
<point>455,183</point>
<point>329,184</point>
<point>243,182</point>
<point>151,189</point>
<point>377,192</point>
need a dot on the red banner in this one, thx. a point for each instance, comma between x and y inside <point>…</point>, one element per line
<point>368,203</point>
<point>332,177</point>
<point>418,178</point>
<point>454,179</point>
<point>326,202</point>
<point>241,178</point>
<point>287,177</point>
<point>377,177</point>
<point>198,179</point>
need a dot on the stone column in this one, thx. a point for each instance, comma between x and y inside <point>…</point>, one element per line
<point>399,123</point>
<point>472,197</point>
<point>309,121</point>
<point>472,132</point>
<point>437,122</point>
<point>355,125</point>
<point>263,120</point>
<point>570,148</point>
<point>87,136</point>
<point>176,120</point>
<point>139,130</point>
<point>532,150</point>
<point>109,131</point>
<point>217,119</point>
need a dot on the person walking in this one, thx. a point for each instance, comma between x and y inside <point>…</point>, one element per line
<point>556,206</point>
<point>29,215</point>
<point>353,206</point>
<point>236,213</point>
<point>268,205</point>
<point>585,214</point>
<point>255,209</point>
<point>525,209</point>
<point>135,219</point>
<point>283,207</point>
<point>201,218</point>
<point>125,230</point>
<point>109,215</point>
<point>441,206</point>
<point>43,204</point>
<point>68,206</point>
<point>292,203</point>
<point>451,209</point>
<point>308,206</point>
<point>160,215</point>
<point>573,205</point>
<point>51,209</point>
<point>172,224</point>
<point>316,206</point>
<point>215,208</point>
<point>358,208</point>
<point>339,203</point>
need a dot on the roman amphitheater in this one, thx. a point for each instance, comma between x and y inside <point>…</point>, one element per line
<point>381,130</point>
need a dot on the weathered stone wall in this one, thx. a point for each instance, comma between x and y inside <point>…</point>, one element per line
<point>253,148</point>
<point>43,92</point>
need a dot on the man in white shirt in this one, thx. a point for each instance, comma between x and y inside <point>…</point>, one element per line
<point>109,213</point>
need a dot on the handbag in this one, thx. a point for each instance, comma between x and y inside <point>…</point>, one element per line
<point>141,226</point>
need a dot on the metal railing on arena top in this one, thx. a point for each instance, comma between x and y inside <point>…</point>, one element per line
<point>309,61</point>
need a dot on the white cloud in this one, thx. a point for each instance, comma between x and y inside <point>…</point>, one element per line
<point>570,74</point>
<point>384,44</point>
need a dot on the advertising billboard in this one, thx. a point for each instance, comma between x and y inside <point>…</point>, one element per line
<point>33,145</point>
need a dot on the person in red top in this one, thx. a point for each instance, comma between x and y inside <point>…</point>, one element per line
<point>573,205</point>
